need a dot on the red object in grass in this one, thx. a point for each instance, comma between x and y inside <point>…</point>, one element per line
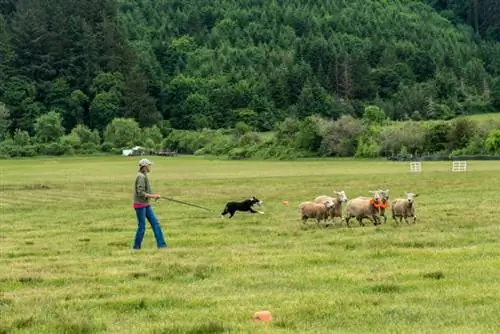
<point>264,316</point>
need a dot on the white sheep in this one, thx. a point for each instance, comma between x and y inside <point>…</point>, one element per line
<point>317,211</point>
<point>404,208</point>
<point>384,202</point>
<point>364,207</point>
<point>336,210</point>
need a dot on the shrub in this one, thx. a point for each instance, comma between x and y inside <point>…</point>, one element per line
<point>54,148</point>
<point>340,138</point>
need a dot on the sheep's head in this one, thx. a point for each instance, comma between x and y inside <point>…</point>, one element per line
<point>384,195</point>
<point>342,196</point>
<point>329,204</point>
<point>376,195</point>
<point>410,197</point>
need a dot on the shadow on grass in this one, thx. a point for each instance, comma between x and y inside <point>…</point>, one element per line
<point>437,275</point>
<point>207,328</point>
<point>18,325</point>
<point>143,304</point>
<point>416,244</point>
<point>30,280</point>
<point>184,272</point>
<point>383,288</point>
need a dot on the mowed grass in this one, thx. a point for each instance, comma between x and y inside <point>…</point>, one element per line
<point>67,227</point>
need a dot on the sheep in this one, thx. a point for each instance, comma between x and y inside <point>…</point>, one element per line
<point>336,211</point>
<point>384,202</point>
<point>364,207</point>
<point>315,210</point>
<point>404,208</point>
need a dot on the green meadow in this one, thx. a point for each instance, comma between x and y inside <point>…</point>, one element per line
<point>67,227</point>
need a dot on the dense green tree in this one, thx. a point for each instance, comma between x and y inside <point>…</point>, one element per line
<point>48,127</point>
<point>213,64</point>
<point>4,121</point>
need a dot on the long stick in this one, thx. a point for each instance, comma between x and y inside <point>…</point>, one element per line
<point>186,203</point>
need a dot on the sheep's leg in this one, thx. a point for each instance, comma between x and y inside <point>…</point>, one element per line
<point>347,218</point>
<point>328,220</point>
<point>414,219</point>
<point>360,220</point>
<point>406,219</point>
<point>341,219</point>
<point>382,214</point>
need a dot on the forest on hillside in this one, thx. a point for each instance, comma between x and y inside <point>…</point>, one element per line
<point>191,65</point>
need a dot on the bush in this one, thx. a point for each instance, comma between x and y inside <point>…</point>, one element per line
<point>241,129</point>
<point>54,149</point>
<point>492,142</point>
<point>460,133</point>
<point>410,135</point>
<point>340,138</point>
<point>122,132</point>
<point>239,153</point>
<point>12,150</point>
<point>107,147</point>
<point>71,141</point>
<point>308,137</point>
<point>436,137</point>
<point>88,148</point>
<point>220,145</point>
<point>188,142</point>
<point>249,139</point>
<point>367,148</point>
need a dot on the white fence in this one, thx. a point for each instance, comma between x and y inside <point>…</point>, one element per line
<point>415,167</point>
<point>459,166</point>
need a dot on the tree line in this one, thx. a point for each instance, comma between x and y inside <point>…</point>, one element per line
<point>372,136</point>
<point>188,65</point>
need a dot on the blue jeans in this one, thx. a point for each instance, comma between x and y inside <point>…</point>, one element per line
<point>142,214</point>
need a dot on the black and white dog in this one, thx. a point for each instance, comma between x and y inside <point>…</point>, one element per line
<point>232,207</point>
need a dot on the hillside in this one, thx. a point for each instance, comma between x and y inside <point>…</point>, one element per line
<point>256,61</point>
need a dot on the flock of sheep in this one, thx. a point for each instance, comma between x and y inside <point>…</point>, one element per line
<point>324,207</point>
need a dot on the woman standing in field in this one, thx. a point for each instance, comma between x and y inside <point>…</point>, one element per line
<point>143,209</point>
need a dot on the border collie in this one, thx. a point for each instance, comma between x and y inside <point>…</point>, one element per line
<point>232,207</point>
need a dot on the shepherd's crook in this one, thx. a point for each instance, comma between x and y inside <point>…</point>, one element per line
<point>186,203</point>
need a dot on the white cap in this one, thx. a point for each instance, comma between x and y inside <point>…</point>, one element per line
<point>144,162</point>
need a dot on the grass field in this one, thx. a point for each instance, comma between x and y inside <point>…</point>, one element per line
<point>67,264</point>
<point>486,117</point>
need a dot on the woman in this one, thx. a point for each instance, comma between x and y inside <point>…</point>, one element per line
<point>143,210</point>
